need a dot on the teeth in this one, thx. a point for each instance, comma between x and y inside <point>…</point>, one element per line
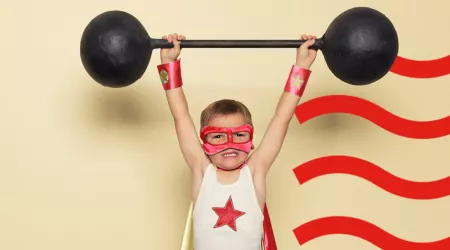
<point>232,154</point>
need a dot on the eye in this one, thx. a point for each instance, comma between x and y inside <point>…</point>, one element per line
<point>240,134</point>
<point>217,136</point>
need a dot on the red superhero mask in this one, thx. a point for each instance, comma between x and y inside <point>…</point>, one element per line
<point>217,139</point>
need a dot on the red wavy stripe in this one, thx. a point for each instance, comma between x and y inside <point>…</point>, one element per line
<point>364,230</point>
<point>371,172</point>
<point>421,69</point>
<point>375,114</point>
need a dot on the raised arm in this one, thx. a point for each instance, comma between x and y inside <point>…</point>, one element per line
<point>170,73</point>
<point>271,144</point>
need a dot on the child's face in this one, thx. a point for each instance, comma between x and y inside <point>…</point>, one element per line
<point>230,158</point>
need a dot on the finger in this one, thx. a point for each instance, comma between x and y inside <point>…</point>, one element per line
<point>169,38</point>
<point>164,37</point>
<point>176,44</point>
<point>310,42</point>
<point>310,37</point>
<point>307,44</point>
<point>304,37</point>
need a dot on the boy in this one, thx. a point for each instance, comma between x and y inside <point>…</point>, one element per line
<point>229,189</point>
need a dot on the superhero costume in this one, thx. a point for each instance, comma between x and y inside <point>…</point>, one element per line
<point>222,139</point>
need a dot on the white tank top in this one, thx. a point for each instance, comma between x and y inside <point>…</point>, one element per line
<point>227,216</point>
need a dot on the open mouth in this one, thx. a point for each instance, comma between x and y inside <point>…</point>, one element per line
<point>230,153</point>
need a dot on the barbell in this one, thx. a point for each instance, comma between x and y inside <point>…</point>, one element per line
<point>359,46</point>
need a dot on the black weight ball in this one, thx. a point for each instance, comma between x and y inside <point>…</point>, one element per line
<point>115,49</point>
<point>360,46</point>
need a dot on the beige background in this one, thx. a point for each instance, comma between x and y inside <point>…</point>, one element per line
<point>87,167</point>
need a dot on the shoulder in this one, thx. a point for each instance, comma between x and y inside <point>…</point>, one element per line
<point>198,178</point>
<point>201,166</point>
<point>202,169</point>
<point>255,167</point>
<point>256,173</point>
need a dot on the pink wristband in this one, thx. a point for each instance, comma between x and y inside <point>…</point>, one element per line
<point>170,75</point>
<point>298,78</point>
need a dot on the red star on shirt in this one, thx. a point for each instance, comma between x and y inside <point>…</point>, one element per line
<point>227,215</point>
